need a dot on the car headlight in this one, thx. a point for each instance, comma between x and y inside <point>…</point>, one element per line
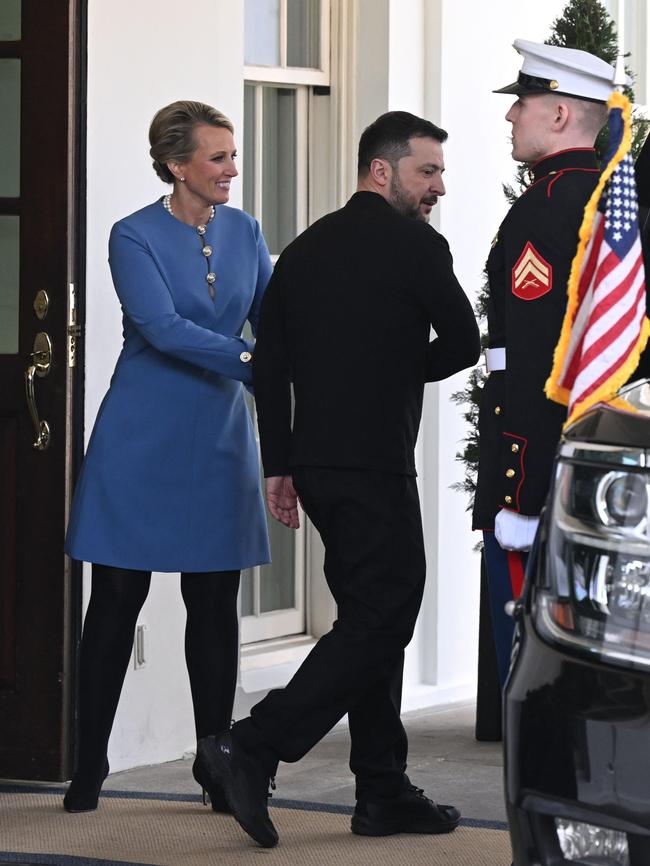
<point>621,499</point>
<point>594,594</point>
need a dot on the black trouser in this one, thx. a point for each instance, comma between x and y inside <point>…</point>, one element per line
<point>211,652</point>
<point>374,564</point>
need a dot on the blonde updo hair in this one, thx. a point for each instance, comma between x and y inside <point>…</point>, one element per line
<point>171,134</point>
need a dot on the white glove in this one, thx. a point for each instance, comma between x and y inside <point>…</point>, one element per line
<point>515,531</point>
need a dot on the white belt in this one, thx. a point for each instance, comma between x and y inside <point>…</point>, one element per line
<point>495,359</point>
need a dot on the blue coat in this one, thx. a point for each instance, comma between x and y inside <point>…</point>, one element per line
<point>170,481</point>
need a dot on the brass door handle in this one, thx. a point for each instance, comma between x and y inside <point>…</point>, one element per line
<point>42,356</point>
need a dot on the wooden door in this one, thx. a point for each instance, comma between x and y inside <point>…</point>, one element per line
<point>40,72</point>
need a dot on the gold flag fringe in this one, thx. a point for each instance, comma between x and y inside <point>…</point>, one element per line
<point>553,389</point>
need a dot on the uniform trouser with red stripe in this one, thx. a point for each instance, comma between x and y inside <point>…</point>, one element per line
<point>505,570</point>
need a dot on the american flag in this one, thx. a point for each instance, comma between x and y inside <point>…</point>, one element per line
<point>605,328</point>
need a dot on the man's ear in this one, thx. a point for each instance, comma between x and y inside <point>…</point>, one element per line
<point>561,114</point>
<point>381,172</point>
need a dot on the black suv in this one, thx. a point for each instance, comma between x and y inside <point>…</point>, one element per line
<point>577,700</point>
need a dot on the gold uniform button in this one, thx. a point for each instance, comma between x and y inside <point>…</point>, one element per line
<point>245,357</point>
<point>510,473</point>
<point>514,448</point>
<point>497,410</point>
<point>508,500</point>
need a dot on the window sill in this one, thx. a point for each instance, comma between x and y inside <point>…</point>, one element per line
<point>269,653</point>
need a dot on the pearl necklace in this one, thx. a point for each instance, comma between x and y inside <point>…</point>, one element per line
<point>206,249</point>
<point>167,204</point>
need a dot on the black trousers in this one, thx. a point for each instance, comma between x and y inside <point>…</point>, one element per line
<point>374,564</point>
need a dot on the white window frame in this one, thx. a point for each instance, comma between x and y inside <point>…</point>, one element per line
<point>285,622</point>
<point>636,43</point>
<point>310,590</point>
<point>284,74</point>
<point>290,621</point>
<point>302,153</point>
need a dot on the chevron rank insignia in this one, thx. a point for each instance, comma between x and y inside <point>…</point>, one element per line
<point>532,276</point>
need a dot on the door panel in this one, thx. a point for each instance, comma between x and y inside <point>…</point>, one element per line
<point>39,104</point>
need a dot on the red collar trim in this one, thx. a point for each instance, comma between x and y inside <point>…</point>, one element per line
<point>558,152</point>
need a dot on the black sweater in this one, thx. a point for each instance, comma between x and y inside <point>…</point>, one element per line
<point>346,318</point>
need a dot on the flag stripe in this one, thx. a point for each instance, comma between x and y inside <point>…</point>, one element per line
<point>593,254</point>
<point>628,340</point>
<point>605,327</point>
<point>578,335</point>
<point>613,349</point>
<point>623,293</point>
<point>619,325</point>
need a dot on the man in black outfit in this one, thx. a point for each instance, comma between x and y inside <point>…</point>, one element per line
<point>347,319</point>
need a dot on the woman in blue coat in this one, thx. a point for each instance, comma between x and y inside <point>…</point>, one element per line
<point>170,481</point>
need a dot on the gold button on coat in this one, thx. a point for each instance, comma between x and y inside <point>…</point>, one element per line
<point>514,447</point>
<point>497,410</point>
<point>510,473</point>
<point>245,357</point>
<point>508,500</point>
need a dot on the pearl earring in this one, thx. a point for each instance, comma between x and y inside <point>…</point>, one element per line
<point>182,179</point>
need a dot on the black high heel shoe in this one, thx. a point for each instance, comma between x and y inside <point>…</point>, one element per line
<point>83,793</point>
<point>213,789</point>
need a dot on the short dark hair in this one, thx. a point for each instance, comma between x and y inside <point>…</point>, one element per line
<point>388,138</point>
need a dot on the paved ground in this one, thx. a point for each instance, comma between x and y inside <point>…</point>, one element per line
<point>444,759</point>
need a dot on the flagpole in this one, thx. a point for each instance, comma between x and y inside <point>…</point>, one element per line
<point>619,77</point>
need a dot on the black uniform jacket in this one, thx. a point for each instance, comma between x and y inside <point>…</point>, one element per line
<point>347,319</point>
<point>528,270</point>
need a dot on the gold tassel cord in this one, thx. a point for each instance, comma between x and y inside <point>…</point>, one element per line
<point>553,389</point>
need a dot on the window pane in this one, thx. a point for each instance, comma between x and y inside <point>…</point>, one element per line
<point>10,128</point>
<point>9,20</point>
<point>303,33</point>
<point>279,173</point>
<point>262,33</point>
<point>277,580</point>
<point>9,275</point>
<point>249,179</point>
<point>247,592</point>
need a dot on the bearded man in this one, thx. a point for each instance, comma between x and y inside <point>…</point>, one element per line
<point>346,320</point>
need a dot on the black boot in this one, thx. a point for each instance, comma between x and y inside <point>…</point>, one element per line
<point>212,655</point>
<point>244,782</point>
<point>116,599</point>
<point>212,786</point>
<point>83,793</point>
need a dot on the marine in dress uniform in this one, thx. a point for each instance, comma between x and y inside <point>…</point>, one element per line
<point>528,270</point>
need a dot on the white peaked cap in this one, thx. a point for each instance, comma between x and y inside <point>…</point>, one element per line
<point>568,71</point>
